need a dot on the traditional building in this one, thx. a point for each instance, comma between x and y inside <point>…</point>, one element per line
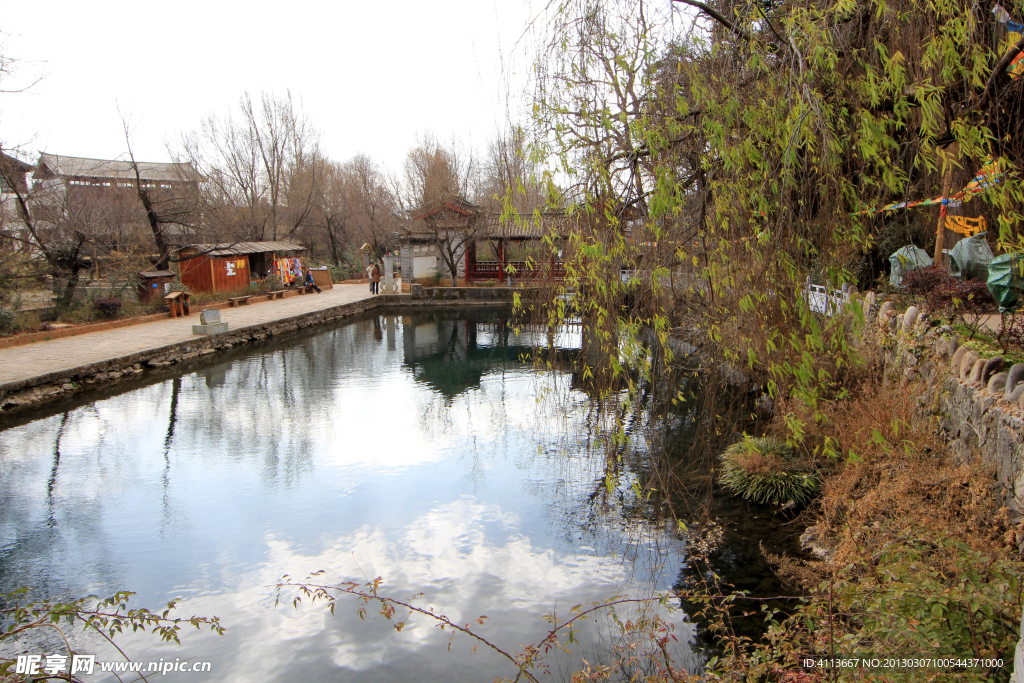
<point>13,181</point>
<point>84,172</point>
<point>105,191</point>
<point>485,246</point>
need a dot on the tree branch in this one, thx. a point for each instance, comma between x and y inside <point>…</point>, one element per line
<point>719,17</point>
<point>1000,67</point>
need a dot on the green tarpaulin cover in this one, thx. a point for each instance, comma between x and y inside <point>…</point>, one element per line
<point>1005,280</point>
<point>905,260</point>
<point>970,257</point>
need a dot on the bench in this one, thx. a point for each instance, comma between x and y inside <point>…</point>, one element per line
<point>177,303</point>
<point>276,294</point>
<point>235,301</point>
<point>304,289</point>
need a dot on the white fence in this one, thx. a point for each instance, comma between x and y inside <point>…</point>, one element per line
<point>821,300</point>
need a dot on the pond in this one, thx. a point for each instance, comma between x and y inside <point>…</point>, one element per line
<point>423,448</point>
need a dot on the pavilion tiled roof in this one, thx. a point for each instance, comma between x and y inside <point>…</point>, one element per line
<point>51,165</point>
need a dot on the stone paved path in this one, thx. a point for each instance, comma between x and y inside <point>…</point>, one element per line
<point>39,358</point>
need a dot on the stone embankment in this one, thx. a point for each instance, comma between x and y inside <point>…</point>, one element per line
<point>979,402</point>
<point>46,387</point>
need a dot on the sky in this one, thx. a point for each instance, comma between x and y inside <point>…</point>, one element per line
<point>373,77</point>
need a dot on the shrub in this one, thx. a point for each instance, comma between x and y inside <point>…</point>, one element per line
<point>107,307</point>
<point>8,322</point>
<point>765,470</point>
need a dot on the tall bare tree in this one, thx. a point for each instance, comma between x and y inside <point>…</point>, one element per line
<point>261,167</point>
<point>440,181</point>
<point>510,174</point>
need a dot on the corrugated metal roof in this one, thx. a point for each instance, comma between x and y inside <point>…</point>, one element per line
<point>81,167</point>
<point>235,248</point>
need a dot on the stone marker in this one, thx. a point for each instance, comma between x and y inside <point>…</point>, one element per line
<point>996,383</point>
<point>993,366</point>
<point>1016,375</point>
<point>958,355</point>
<point>211,323</point>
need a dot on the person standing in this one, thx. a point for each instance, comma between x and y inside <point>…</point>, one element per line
<point>375,278</point>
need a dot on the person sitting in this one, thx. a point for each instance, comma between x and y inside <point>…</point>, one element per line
<point>309,281</point>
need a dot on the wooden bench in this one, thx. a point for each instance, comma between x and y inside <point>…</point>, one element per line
<point>304,289</point>
<point>276,294</point>
<point>235,301</point>
<point>178,303</point>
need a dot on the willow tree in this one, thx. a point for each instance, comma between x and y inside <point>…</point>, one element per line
<point>723,153</point>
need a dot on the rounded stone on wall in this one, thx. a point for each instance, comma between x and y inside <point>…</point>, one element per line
<point>967,363</point>
<point>997,382</point>
<point>1016,375</point>
<point>883,312</point>
<point>958,356</point>
<point>977,371</point>
<point>910,317</point>
<point>992,366</point>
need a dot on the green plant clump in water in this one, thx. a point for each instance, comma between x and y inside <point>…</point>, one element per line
<point>764,470</point>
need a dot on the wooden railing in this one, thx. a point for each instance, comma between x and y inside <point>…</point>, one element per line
<point>494,270</point>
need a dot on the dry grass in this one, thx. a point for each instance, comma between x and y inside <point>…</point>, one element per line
<point>896,476</point>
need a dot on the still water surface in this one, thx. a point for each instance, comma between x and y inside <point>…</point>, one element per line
<point>419,448</point>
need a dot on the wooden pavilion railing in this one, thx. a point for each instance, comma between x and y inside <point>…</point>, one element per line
<point>494,270</point>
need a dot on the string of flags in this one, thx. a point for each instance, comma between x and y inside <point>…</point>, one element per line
<point>1015,30</point>
<point>988,176</point>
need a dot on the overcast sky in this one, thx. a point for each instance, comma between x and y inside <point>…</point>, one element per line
<point>372,76</point>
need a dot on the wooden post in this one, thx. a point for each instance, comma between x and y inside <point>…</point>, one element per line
<point>501,259</point>
<point>952,152</point>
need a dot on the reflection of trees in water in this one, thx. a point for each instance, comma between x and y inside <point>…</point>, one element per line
<point>51,513</point>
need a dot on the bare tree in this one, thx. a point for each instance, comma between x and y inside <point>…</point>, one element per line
<point>260,169</point>
<point>510,175</point>
<point>374,203</point>
<point>439,183</point>
<point>434,170</point>
<point>332,212</point>
<point>57,225</point>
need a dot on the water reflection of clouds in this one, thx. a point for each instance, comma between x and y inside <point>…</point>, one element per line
<point>450,554</point>
<point>325,453</point>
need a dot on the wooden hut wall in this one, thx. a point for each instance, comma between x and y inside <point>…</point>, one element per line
<point>230,273</point>
<point>216,273</point>
<point>195,274</point>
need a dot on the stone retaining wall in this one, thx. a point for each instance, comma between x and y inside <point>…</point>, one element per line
<point>26,393</point>
<point>979,406</point>
<point>979,402</point>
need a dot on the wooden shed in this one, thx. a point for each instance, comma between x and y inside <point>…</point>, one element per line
<point>230,267</point>
<point>151,284</point>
